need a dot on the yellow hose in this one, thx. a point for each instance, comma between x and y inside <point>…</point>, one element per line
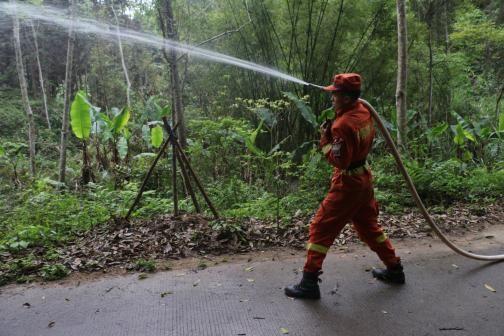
<point>416,197</point>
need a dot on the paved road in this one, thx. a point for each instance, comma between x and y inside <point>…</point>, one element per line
<point>445,294</point>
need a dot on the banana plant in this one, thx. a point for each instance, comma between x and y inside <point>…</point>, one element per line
<point>115,131</point>
<point>462,134</point>
<point>153,131</point>
<point>80,120</point>
<point>156,136</point>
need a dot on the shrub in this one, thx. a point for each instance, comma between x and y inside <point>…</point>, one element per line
<point>143,265</point>
<point>54,272</point>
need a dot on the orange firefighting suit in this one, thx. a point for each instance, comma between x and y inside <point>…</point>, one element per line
<point>351,196</point>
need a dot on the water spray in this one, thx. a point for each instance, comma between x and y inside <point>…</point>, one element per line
<point>89,26</point>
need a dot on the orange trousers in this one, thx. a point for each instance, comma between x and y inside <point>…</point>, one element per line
<point>339,208</point>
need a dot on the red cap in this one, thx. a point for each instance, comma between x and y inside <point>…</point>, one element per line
<point>349,82</point>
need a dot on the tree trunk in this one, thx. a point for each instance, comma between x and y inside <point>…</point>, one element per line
<point>66,107</point>
<point>123,62</point>
<point>402,73</point>
<point>168,27</point>
<point>446,26</point>
<point>431,78</point>
<point>41,76</point>
<point>24,95</point>
<point>497,104</point>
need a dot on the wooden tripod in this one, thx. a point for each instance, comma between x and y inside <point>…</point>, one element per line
<point>187,172</point>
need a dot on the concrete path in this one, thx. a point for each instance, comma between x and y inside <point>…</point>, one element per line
<point>445,294</point>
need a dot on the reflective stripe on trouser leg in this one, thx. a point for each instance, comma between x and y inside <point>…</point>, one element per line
<point>369,231</point>
<point>315,256</point>
<point>336,210</point>
<point>317,248</point>
<point>381,238</point>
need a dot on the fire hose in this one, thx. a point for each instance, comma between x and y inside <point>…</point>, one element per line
<point>414,192</point>
<point>415,195</point>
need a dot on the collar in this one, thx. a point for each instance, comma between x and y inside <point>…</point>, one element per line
<point>346,108</point>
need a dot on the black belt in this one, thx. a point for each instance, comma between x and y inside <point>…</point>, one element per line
<point>356,164</point>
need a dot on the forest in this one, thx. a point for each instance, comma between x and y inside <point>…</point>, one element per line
<point>89,91</point>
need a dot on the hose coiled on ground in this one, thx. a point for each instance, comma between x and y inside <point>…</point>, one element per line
<point>415,195</point>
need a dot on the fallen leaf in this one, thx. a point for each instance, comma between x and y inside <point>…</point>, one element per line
<point>142,276</point>
<point>51,324</point>
<point>284,330</point>
<point>384,312</point>
<point>27,305</point>
<point>490,288</point>
<point>166,293</point>
<point>249,269</point>
<point>455,266</point>
<point>250,280</point>
<point>196,283</point>
<point>179,274</point>
<point>258,318</point>
<point>244,300</point>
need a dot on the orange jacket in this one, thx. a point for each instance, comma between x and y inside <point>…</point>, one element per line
<point>351,139</point>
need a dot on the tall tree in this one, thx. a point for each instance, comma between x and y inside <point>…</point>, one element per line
<point>123,62</point>
<point>67,97</point>
<point>41,76</point>
<point>24,93</point>
<point>167,22</point>
<point>402,72</point>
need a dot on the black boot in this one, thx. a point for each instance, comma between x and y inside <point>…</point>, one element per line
<point>394,275</point>
<point>308,288</point>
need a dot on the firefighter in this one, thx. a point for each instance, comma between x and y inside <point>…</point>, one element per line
<point>346,142</point>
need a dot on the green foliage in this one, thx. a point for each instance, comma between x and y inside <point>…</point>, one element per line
<point>252,146</point>
<point>122,147</point>
<point>23,266</point>
<point>305,110</point>
<point>143,265</point>
<point>156,136</point>
<point>232,193</point>
<point>327,114</point>
<point>225,228</point>
<point>43,217</point>
<point>251,139</point>
<point>80,116</point>
<point>54,272</point>
<point>436,182</point>
<point>120,121</point>
<point>12,117</point>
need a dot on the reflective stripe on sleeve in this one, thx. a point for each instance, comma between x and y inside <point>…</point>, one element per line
<point>381,238</point>
<point>317,248</point>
